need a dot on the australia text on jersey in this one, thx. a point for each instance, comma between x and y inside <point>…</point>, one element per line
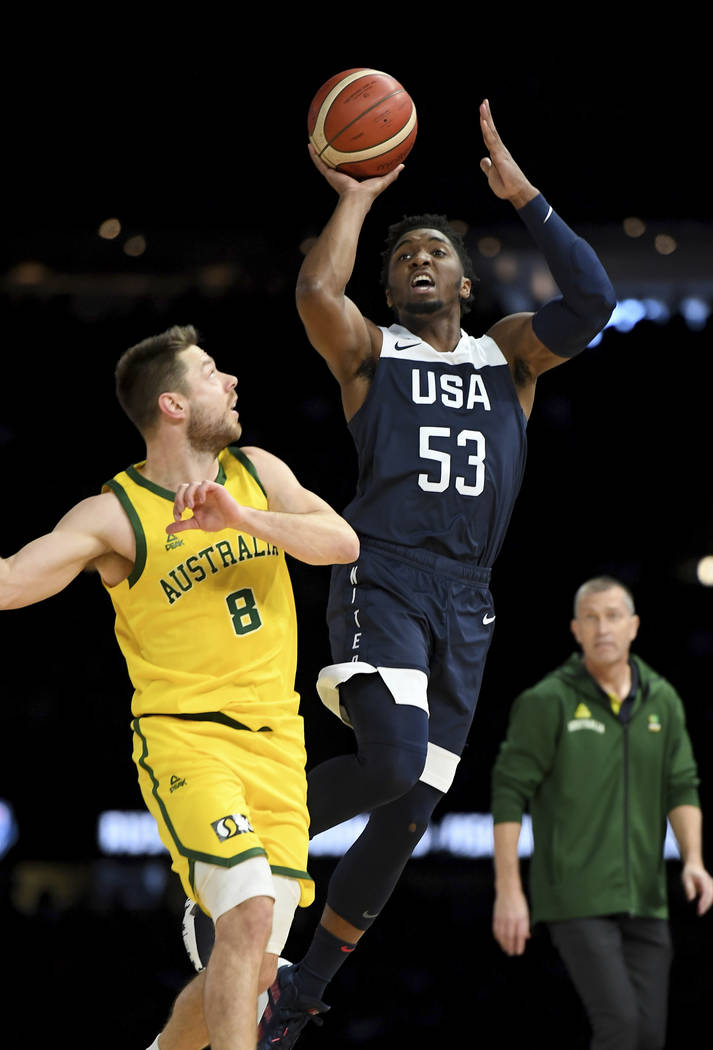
<point>198,567</point>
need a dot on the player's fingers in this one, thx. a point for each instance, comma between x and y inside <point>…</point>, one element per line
<point>486,119</point>
<point>179,501</point>
<point>508,937</point>
<point>505,943</point>
<point>702,887</point>
<point>197,493</point>
<point>181,526</point>
<point>706,898</point>
<point>491,138</point>
<point>337,179</point>
<point>489,116</point>
<point>201,493</point>
<point>386,180</point>
<point>486,164</point>
<point>316,159</point>
<point>689,886</point>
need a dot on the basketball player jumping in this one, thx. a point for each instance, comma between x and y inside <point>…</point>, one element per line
<point>438,418</point>
<point>207,626</point>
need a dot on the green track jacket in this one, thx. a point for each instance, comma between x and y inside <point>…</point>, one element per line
<point>599,791</point>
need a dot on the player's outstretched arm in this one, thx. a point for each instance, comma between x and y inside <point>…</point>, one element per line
<point>334,325</point>
<point>563,327</point>
<point>47,564</point>
<point>297,520</point>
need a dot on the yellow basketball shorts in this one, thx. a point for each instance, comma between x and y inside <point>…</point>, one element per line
<point>221,792</point>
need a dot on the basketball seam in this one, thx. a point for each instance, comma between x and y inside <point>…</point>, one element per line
<point>377,150</point>
<point>341,131</point>
<point>318,131</point>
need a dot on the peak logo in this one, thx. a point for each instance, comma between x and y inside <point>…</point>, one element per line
<point>232,825</point>
<point>177,782</point>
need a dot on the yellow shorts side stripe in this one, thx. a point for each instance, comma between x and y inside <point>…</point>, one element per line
<point>221,792</point>
<point>191,855</point>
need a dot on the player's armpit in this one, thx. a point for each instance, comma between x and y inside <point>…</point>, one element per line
<point>526,354</point>
<point>336,328</point>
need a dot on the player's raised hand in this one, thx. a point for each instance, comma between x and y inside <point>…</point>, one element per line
<point>505,177</point>
<point>213,508</point>
<point>346,184</point>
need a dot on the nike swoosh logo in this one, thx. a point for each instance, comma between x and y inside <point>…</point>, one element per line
<point>488,619</point>
<point>368,915</point>
<point>406,346</point>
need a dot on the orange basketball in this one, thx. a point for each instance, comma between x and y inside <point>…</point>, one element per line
<point>362,122</point>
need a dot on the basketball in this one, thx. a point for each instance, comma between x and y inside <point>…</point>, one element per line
<point>362,122</point>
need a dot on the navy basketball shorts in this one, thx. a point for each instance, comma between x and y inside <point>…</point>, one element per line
<point>421,621</point>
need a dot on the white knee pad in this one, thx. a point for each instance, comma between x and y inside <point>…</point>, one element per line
<point>220,893</point>
<point>287,897</point>
<point>221,889</point>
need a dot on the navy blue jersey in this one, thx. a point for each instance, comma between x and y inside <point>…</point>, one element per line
<point>441,444</point>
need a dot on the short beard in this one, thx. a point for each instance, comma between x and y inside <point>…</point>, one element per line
<point>211,436</point>
<point>423,308</point>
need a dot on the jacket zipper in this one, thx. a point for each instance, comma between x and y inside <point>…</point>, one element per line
<point>627,861</point>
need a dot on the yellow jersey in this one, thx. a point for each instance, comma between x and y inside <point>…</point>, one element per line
<point>206,621</point>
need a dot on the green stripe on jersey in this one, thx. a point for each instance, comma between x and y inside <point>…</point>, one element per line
<point>140,559</point>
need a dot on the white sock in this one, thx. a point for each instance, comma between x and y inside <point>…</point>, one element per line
<point>154,1045</point>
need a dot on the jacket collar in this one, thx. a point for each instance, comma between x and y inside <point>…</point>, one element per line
<point>577,674</point>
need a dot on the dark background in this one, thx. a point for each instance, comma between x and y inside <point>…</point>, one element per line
<point>195,138</point>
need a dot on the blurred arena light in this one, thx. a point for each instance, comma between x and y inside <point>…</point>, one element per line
<point>629,312</point>
<point>634,227</point>
<point>704,571</point>
<point>29,274</point>
<point>695,312</point>
<point>651,285</point>
<point>109,229</point>
<point>127,832</point>
<point>458,834</point>
<point>135,246</point>
<point>489,246</point>
<point>665,244</point>
<point>8,827</point>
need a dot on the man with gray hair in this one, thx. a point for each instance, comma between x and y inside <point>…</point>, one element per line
<point>599,751</point>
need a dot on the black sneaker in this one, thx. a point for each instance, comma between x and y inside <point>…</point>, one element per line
<point>286,1013</point>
